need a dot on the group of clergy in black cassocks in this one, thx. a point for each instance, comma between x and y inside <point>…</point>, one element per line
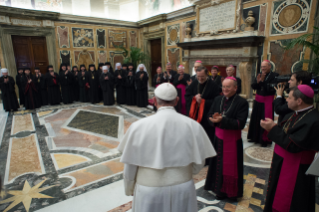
<point>74,85</point>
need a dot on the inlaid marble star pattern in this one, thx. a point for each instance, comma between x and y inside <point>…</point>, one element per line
<point>26,195</point>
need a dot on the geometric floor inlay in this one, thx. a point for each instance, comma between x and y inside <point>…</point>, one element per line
<point>66,160</point>
<point>96,122</point>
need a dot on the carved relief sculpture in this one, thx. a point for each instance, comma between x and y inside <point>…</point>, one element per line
<point>250,20</point>
<point>117,38</point>
<point>84,57</point>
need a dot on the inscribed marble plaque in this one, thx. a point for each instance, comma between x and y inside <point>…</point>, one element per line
<point>217,17</point>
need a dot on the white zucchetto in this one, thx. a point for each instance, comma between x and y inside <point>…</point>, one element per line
<point>166,92</point>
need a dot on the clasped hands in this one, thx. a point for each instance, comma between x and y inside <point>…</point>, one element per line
<point>198,98</point>
<point>267,124</point>
<point>216,118</point>
<point>261,77</point>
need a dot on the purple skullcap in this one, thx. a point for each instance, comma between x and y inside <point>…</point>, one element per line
<point>232,78</point>
<point>231,66</point>
<point>306,90</point>
<point>198,61</point>
<point>267,61</point>
<point>216,67</point>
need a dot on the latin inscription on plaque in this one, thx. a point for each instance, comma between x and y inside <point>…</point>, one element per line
<point>217,17</point>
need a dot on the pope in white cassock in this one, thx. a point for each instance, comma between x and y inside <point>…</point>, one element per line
<point>161,153</point>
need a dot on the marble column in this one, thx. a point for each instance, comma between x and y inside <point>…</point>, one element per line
<point>245,72</point>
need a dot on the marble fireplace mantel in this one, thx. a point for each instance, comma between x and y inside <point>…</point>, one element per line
<point>240,50</point>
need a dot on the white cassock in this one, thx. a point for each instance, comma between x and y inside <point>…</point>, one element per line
<point>161,153</point>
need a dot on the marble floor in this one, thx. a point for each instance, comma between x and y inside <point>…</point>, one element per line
<point>64,158</point>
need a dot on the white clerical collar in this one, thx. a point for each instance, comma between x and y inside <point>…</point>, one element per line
<point>301,110</point>
<point>165,108</point>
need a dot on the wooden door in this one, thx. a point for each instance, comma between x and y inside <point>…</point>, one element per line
<point>156,55</point>
<point>30,51</point>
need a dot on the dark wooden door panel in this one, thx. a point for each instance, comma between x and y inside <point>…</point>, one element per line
<point>156,55</point>
<point>30,52</point>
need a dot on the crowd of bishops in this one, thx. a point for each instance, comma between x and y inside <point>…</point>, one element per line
<point>87,84</point>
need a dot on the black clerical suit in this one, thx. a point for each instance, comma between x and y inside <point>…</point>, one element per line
<point>181,105</point>
<point>75,85</point>
<point>296,142</point>
<point>130,88</point>
<point>208,90</point>
<point>218,81</point>
<point>32,96</point>
<point>157,82</point>
<point>83,88</point>
<point>141,89</point>
<point>8,94</point>
<point>54,93</point>
<point>171,79</point>
<point>281,108</point>
<point>94,83</point>
<point>256,133</point>
<point>235,111</point>
<point>66,81</point>
<point>120,86</point>
<point>107,86</point>
<point>19,79</point>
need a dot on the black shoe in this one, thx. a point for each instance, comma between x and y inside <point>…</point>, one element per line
<point>234,199</point>
<point>263,145</point>
<point>250,141</point>
<point>220,198</point>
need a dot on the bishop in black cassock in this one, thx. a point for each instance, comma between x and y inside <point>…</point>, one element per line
<point>107,85</point>
<point>180,82</point>
<point>54,93</point>
<point>66,81</point>
<point>99,73</point>
<point>199,97</point>
<point>216,78</point>
<point>8,94</point>
<point>120,80</point>
<point>75,84</point>
<point>31,94</point>
<point>130,87</point>
<point>141,82</point>
<point>296,143</point>
<point>83,85</point>
<point>93,80</point>
<point>109,65</point>
<point>37,79</point>
<point>230,71</point>
<point>169,74</point>
<point>158,77</point>
<point>19,79</point>
<point>228,115</point>
<point>263,104</point>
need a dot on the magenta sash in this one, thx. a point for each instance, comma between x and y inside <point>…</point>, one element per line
<point>288,176</point>
<point>269,113</point>
<point>183,100</point>
<point>230,169</point>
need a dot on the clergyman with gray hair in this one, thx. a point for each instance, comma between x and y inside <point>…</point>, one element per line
<point>263,104</point>
<point>161,153</point>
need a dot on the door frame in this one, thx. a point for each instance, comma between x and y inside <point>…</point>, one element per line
<point>7,47</point>
<point>160,34</point>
